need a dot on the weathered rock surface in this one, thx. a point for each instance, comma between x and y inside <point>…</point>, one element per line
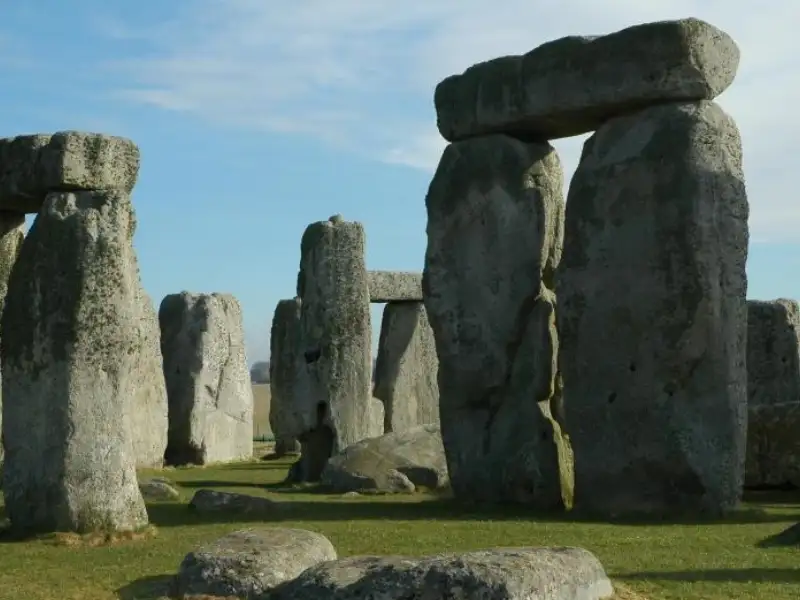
<point>373,464</point>
<point>208,384</point>
<point>406,371</point>
<point>158,489</point>
<point>394,286</point>
<point>31,166</point>
<point>652,314</point>
<point>284,369</point>
<point>495,211</point>
<point>574,84</point>
<point>497,574</point>
<point>250,562</point>
<point>11,236</point>
<point>335,404</point>
<point>773,393</point>
<point>71,350</point>
<point>212,501</point>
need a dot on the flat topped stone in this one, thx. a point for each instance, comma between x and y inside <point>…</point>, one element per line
<point>394,286</point>
<point>574,84</point>
<point>33,165</point>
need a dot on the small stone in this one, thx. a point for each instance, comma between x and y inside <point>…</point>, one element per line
<point>157,490</point>
<point>212,501</point>
<point>394,286</point>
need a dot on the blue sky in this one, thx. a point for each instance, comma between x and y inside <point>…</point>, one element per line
<point>257,117</point>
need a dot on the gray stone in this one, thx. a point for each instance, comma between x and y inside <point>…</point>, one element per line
<point>406,371</point>
<point>208,384</point>
<point>33,165</point>
<point>495,211</point>
<point>574,84</point>
<point>158,490</point>
<point>213,501</point>
<point>11,236</point>
<point>250,562</point>
<point>372,464</point>
<point>652,314</point>
<point>394,286</point>
<point>284,369</point>
<point>773,393</point>
<point>497,574</point>
<point>334,403</point>
<point>71,349</point>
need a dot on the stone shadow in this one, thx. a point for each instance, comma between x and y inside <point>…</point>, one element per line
<point>745,575</point>
<point>153,587</point>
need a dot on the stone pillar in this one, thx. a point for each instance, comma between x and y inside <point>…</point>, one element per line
<point>208,383</point>
<point>652,315</point>
<point>406,370</point>
<point>283,373</point>
<point>495,211</point>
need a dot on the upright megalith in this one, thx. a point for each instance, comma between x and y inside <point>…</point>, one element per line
<point>773,394</point>
<point>406,370</point>
<point>71,353</point>
<point>335,406</point>
<point>652,315</point>
<point>495,210</point>
<point>283,372</point>
<point>208,384</point>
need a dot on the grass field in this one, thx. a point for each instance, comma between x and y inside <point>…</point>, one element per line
<point>707,561</point>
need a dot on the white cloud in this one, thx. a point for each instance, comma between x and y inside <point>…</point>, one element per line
<point>362,74</point>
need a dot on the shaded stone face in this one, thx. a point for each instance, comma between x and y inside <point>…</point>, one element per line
<point>495,210</point>
<point>284,371</point>
<point>335,407</point>
<point>574,84</point>
<point>406,370</point>
<point>652,316</point>
<point>208,384</point>
<point>773,393</point>
<point>71,350</point>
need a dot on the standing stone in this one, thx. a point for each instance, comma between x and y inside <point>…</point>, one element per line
<point>283,373</point>
<point>71,350</point>
<point>335,335</point>
<point>208,384</point>
<point>773,393</point>
<point>495,226</point>
<point>652,315</point>
<point>11,236</point>
<point>407,368</point>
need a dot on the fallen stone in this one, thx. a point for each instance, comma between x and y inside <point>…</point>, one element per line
<point>406,369</point>
<point>31,166</point>
<point>250,562</point>
<point>71,349</point>
<point>158,490</point>
<point>574,84</point>
<point>497,574</point>
<point>394,286</point>
<point>652,314</point>
<point>374,464</point>
<point>212,501</point>
<point>773,394</point>
<point>335,405</point>
<point>284,370</point>
<point>495,211</point>
<point>208,384</point>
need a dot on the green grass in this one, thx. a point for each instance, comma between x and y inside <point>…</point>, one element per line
<point>658,561</point>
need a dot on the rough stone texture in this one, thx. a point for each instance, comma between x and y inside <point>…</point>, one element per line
<point>71,350</point>
<point>334,401</point>
<point>284,368</point>
<point>208,384</point>
<point>249,562</point>
<point>31,166</point>
<point>495,226</point>
<point>574,84</point>
<point>394,286</point>
<point>212,501</point>
<point>773,393</point>
<point>497,574</point>
<point>158,489</point>
<point>417,454</point>
<point>652,314</point>
<point>406,371</point>
<point>11,236</point>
